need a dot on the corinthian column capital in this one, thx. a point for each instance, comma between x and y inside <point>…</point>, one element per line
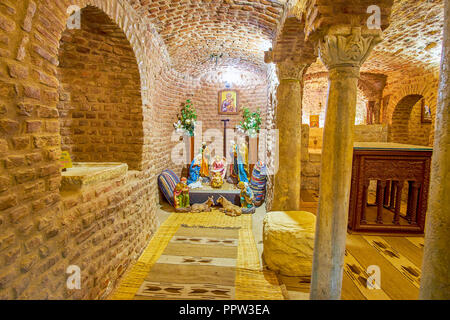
<point>346,46</point>
<point>291,70</point>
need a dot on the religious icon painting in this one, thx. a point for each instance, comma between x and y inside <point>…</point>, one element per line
<point>426,112</point>
<point>314,121</point>
<point>65,160</point>
<point>228,102</point>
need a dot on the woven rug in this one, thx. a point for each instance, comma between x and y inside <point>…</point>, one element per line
<point>201,256</point>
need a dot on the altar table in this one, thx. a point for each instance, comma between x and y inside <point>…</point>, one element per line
<point>228,191</point>
<point>402,176</point>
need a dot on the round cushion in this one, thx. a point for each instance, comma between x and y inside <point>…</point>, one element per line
<point>289,242</point>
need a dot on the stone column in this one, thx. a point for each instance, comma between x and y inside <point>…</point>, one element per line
<point>435,280</point>
<point>378,111</point>
<point>370,112</point>
<point>343,50</point>
<point>287,181</point>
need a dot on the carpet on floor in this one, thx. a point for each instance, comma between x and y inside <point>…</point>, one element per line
<point>200,256</point>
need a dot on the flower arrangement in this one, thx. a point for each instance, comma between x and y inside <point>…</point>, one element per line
<point>251,123</point>
<point>187,120</point>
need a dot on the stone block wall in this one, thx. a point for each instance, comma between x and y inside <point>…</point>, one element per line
<point>100,101</point>
<point>315,138</point>
<point>312,151</point>
<point>168,105</point>
<point>363,133</point>
<point>315,100</point>
<point>371,133</point>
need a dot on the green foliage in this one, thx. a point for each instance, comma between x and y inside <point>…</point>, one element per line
<point>251,123</point>
<point>187,119</point>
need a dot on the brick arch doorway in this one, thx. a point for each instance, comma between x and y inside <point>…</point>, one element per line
<point>406,122</point>
<point>100,96</point>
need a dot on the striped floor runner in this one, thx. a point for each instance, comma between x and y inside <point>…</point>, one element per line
<point>202,256</point>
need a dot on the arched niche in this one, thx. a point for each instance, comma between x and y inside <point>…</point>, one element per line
<point>407,126</point>
<point>100,101</point>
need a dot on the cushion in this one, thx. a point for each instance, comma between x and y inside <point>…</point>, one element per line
<point>258,183</point>
<point>167,182</point>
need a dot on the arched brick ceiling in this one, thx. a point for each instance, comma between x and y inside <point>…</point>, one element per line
<point>242,30</point>
<point>97,20</point>
<point>194,29</point>
<point>415,34</point>
<point>235,76</point>
<point>413,39</point>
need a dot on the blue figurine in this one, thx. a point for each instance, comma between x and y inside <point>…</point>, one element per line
<point>242,160</point>
<point>194,170</point>
<point>239,153</point>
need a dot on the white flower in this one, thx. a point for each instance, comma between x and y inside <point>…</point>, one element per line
<point>252,133</point>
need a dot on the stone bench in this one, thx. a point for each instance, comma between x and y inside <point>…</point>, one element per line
<point>288,238</point>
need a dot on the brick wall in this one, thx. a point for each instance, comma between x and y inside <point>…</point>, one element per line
<point>406,80</point>
<point>102,230</point>
<point>238,29</point>
<point>402,107</point>
<point>419,133</point>
<point>204,94</point>
<point>43,231</point>
<point>252,95</point>
<point>100,101</point>
<point>407,126</point>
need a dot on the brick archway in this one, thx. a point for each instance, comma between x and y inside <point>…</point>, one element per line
<point>423,89</point>
<point>141,37</point>
<point>406,122</point>
<point>43,28</point>
<point>38,214</point>
<point>401,116</point>
<point>100,107</point>
<point>133,26</point>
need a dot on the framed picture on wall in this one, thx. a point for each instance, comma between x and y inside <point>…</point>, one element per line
<point>426,112</point>
<point>314,121</point>
<point>228,102</point>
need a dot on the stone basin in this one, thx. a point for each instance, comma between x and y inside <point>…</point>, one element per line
<point>83,174</point>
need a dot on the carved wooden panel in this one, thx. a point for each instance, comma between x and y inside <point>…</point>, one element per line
<point>391,169</point>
